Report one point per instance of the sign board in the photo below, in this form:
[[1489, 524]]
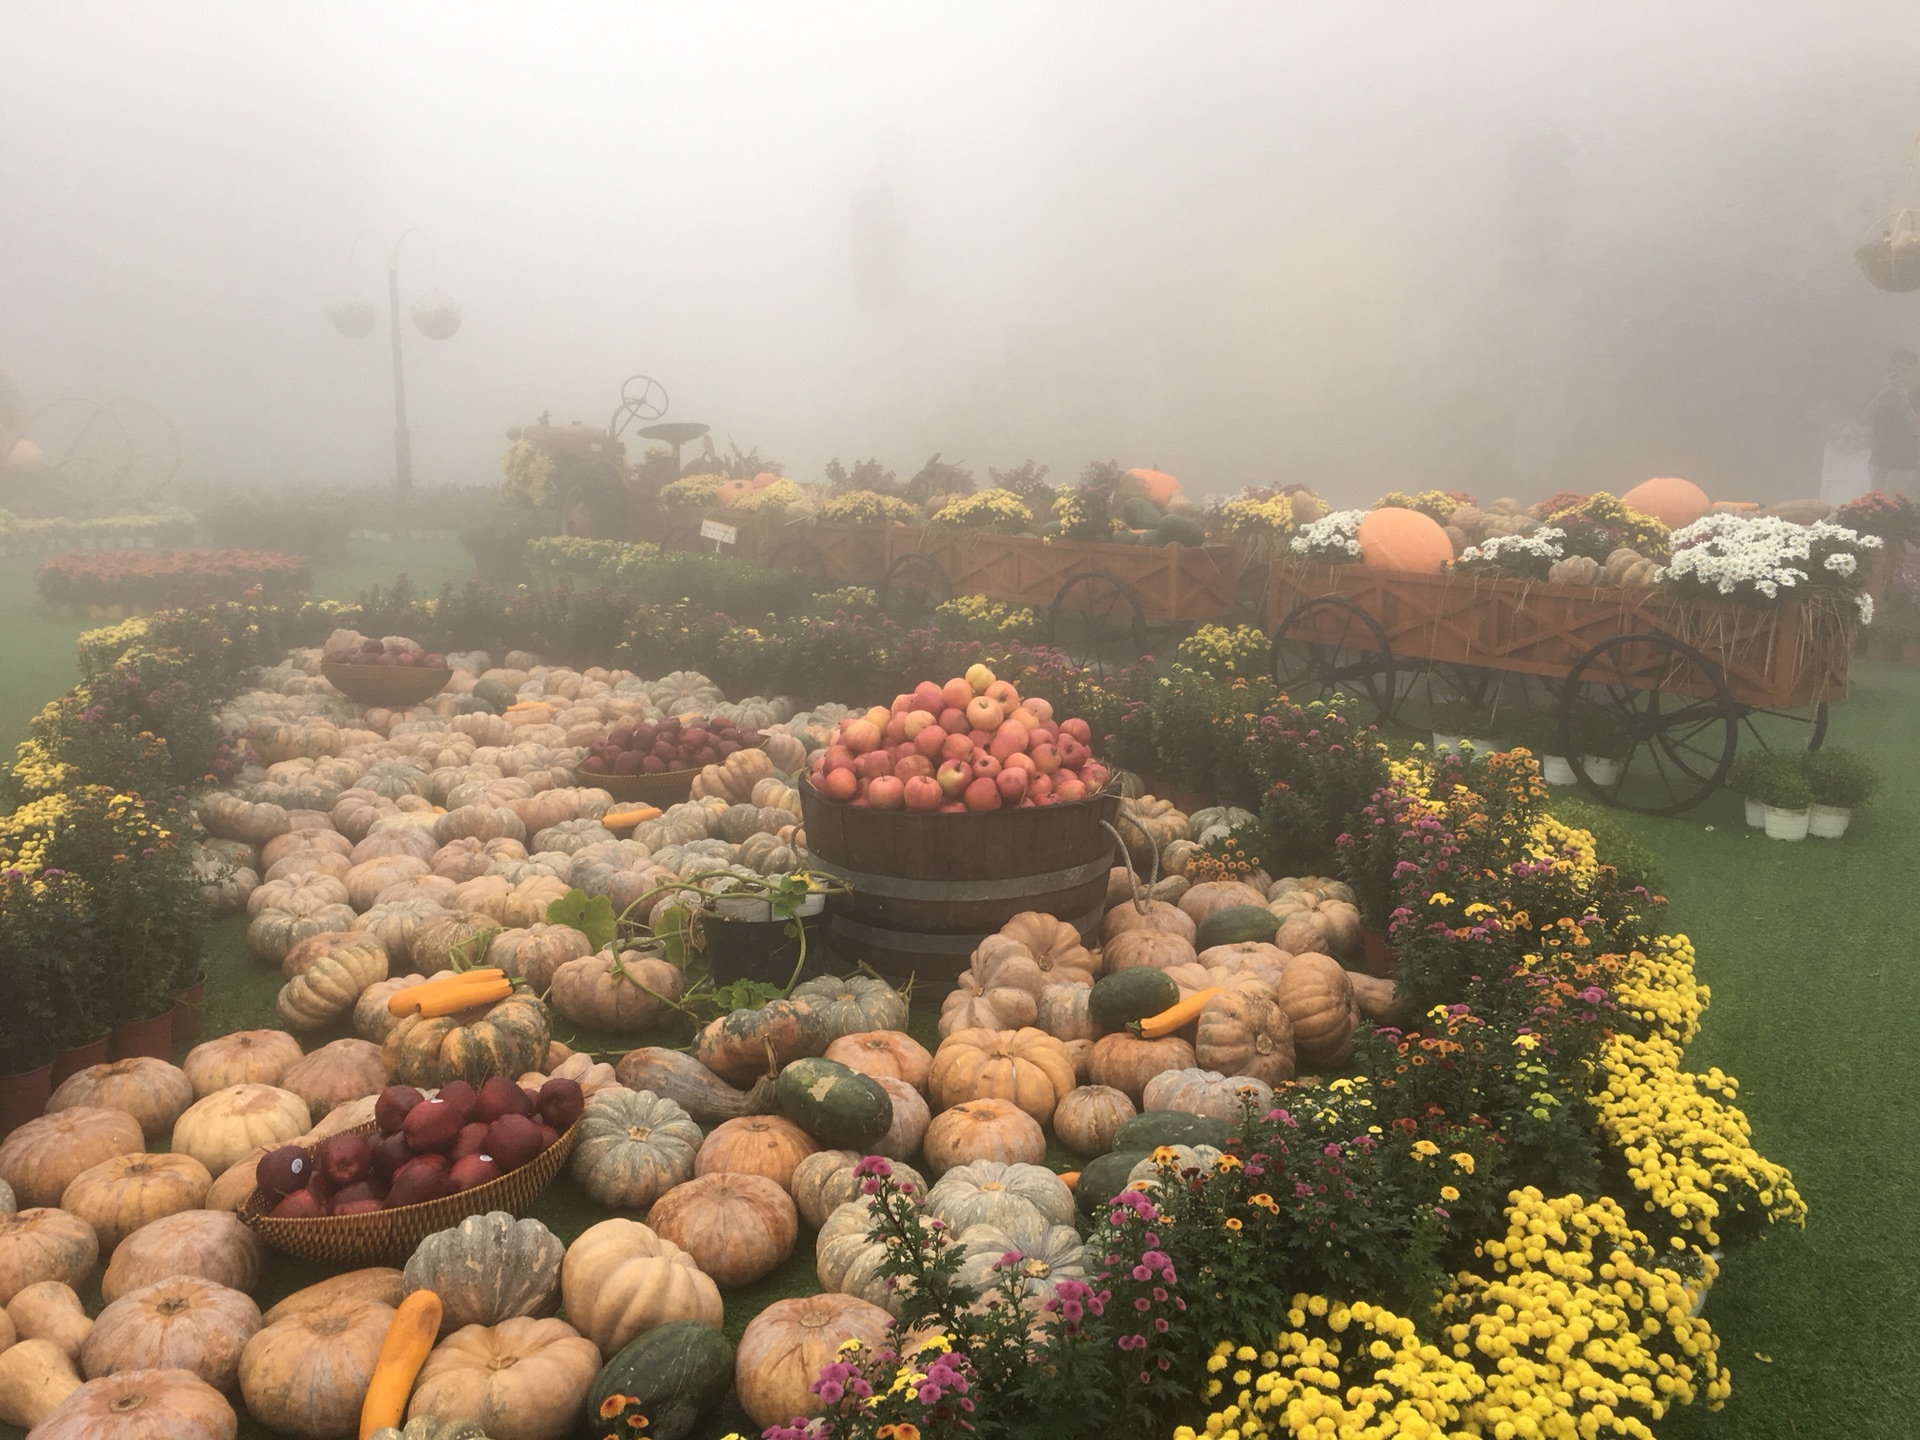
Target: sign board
[[720, 534]]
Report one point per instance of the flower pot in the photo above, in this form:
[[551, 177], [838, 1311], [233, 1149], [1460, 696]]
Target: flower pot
[[1381, 959], [761, 949], [1828, 822], [189, 1012], [24, 1096], [1786, 824], [1555, 770], [1719, 1258], [131, 1039], [1445, 744], [1756, 814], [75, 1058], [1602, 769]]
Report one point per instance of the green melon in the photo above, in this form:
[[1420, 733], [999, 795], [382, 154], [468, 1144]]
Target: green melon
[[1235, 925], [1149, 1130], [1141, 513], [1128, 995], [497, 695], [1104, 1178], [835, 1104], [1178, 530], [674, 1375]]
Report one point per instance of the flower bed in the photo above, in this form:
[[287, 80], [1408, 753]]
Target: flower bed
[[106, 583]]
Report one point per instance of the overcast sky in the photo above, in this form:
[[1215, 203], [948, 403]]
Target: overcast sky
[[1505, 247]]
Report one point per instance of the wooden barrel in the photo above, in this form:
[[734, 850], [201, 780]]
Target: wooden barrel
[[927, 889]]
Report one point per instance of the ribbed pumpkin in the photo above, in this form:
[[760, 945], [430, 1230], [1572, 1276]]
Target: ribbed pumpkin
[[620, 1279], [272, 933], [326, 974], [1244, 1032], [755, 1145], [1206, 1092], [1204, 899], [884, 1054], [989, 1192], [1063, 1012], [337, 1072], [184, 1323], [625, 995], [848, 1261], [1158, 915], [633, 1147], [983, 1130], [44, 1244], [366, 880], [911, 1116], [481, 822], [432, 1427], [537, 951], [1086, 1119], [141, 1405], [377, 1282], [743, 1045], [1155, 949], [227, 1124], [1048, 1254], [1318, 998], [227, 815], [1026, 1066], [1127, 1062], [853, 1006], [825, 1181], [208, 1244], [40, 1159], [509, 1039], [372, 1020], [246, 1057], [738, 1228], [155, 1093], [487, 1269], [522, 1379], [1000, 988], [307, 1373], [470, 858], [785, 1346], [436, 941], [1330, 927], [118, 1196]]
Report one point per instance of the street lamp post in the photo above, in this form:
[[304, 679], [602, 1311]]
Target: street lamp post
[[402, 442]]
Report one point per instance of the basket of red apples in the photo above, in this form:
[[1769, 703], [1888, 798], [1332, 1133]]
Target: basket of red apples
[[655, 760], [368, 1196], [393, 672], [972, 745]]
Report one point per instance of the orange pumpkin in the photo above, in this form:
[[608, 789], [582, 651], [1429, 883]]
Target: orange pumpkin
[[1147, 949], [1127, 1062], [737, 1228], [983, 1130], [1404, 540], [1159, 916], [730, 493], [755, 1145], [118, 1196], [155, 1093], [42, 1157], [1027, 1066], [1318, 997], [884, 1054], [784, 1347], [1673, 502], [1158, 486]]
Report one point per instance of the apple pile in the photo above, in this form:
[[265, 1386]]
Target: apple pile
[[654, 747], [971, 744], [349, 647], [427, 1148]]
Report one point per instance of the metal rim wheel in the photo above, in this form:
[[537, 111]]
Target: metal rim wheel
[[1665, 707], [1098, 622], [1329, 646], [913, 587], [803, 559], [1786, 729]]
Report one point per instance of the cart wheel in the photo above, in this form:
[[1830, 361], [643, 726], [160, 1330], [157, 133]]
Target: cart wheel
[[802, 558], [1098, 622], [686, 540], [911, 589], [1329, 646], [1669, 709], [1250, 594], [1787, 730]]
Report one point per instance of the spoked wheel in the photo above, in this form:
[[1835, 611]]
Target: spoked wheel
[[1786, 730], [1329, 646], [802, 558], [913, 587], [1664, 709], [1098, 622], [1250, 594]]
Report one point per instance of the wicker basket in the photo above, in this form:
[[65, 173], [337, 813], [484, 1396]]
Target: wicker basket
[[669, 787], [388, 1237], [393, 686]]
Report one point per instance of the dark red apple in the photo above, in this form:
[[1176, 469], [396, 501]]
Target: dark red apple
[[513, 1140], [471, 1140], [560, 1102], [422, 1178], [283, 1171], [433, 1125], [390, 1110], [473, 1170], [343, 1159], [500, 1096], [390, 1152], [298, 1205], [364, 1190]]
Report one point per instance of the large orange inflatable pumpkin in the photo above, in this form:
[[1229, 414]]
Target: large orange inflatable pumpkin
[[1158, 486], [1672, 502], [732, 492], [763, 479], [1394, 539]]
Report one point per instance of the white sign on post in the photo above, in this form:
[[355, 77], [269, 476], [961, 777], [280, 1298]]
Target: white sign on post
[[720, 534]]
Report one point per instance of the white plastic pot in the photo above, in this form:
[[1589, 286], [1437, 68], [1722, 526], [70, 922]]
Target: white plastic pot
[[1445, 744], [1828, 822], [1555, 770], [755, 907], [1756, 814], [1786, 824], [1602, 770], [1706, 1286]]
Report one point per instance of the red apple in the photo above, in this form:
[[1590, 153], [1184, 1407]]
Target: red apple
[[986, 766], [840, 785], [473, 1170], [953, 807], [1009, 739], [931, 740], [953, 777], [1093, 775], [1072, 753], [1020, 760], [884, 792], [918, 722], [953, 720], [874, 763], [1003, 692], [560, 1102], [1067, 786], [1078, 729], [982, 794], [1042, 708], [471, 1140], [927, 696], [957, 692], [1046, 759], [501, 1096], [358, 1207], [1039, 787], [956, 747], [861, 736], [896, 730], [299, 1205], [984, 713], [390, 1110], [1012, 785], [344, 1158], [923, 793], [912, 765], [513, 1140], [836, 757], [283, 1171]]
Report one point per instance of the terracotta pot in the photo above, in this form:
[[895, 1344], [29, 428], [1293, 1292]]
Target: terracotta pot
[[24, 1096], [189, 1014], [76, 1058], [1381, 959], [131, 1038]]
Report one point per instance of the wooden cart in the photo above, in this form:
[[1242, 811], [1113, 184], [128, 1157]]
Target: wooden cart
[[1650, 691]]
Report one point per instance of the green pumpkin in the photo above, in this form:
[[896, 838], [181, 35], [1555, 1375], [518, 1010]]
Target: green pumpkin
[[674, 1374], [426, 1427], [1236, 924], [851, 1006], [473, 705], [496, 695], [1105, 1177], [1141, 513], [1177, 530], [837, 1105], [1128, 995], [1151, 1129]]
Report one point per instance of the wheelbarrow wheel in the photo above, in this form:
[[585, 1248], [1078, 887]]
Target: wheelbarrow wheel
[[1648, 724], [1329, 646]]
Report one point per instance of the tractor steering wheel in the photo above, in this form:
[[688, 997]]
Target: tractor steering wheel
[[642, 398]]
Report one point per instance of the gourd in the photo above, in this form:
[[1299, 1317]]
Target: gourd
[[733, 780], [337, 1072], [1143, 949], [783, 1348], [1000, 988], [1378, 1000], [910, 1120], [487, 1269], [1209, 897], [1236, 924], [689, 1084], [848, 1261], [1630, 569], [1206, 1092], [523, 1379], [40, 1159], [35, 1376], [480, 822], [1575, 570], [1026, 1066], [738, 1228], [624, 994], [673, 1375], [509, 1039], [307, 1373], [272, 933], [50, 1311], [620, 1280], [1158, 915], [143, 1404], [835, 1105], [537, 951], [1127, 1062], [228, 816], [884, 1054], [118, 1196], [1149, 823], [1243, 1032], [1089, 1117], [1048, 1255], [1127, 995], [571, 836], [632, 1148], [208, 1244], [988, 1192], [851, 1006], [983, 1130], [227, 1124], [185, 1323], [155, 1093], [1318, 998], [246, 1057], [755, 1145], [825, 1181]]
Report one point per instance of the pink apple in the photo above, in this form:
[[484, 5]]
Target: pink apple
[[861, 736], [1073, 754], [911, 765], [1012, 785], [931, 741], [902, 704], [982, 794], [953, 777], [927, 696], [1009, 739], [981, 739], [1093, 775], [896, 727], [1077, 728], [1039, 786], [884, 792], [1026, 719], [902, 750], [986, 765], [1042, 709], [1020, 760], [1046, 759], [923, 793], [1003, 692], [1068, 787], [956, 747], [841, 785], [874, 762], [917, 722], [838, 757], [953, 721], [985, 713], [957, 693]]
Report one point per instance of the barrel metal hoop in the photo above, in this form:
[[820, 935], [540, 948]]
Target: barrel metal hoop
[[892, 887]]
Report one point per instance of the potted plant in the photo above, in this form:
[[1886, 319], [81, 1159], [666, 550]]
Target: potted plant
[[1841, 782], [1457, 721], [1602, 742], [1744, 778], [1538, 731], [1781, 786], [758, 927]]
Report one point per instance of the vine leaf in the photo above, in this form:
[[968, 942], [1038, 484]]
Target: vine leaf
[[591, 915]]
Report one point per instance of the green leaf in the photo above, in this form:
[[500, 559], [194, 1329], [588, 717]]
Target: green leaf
[[591, 915]]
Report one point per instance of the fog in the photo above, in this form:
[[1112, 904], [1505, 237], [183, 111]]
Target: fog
[[1511, 248]]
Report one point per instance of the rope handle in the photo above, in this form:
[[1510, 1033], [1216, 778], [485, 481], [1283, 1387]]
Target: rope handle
[[1141, 897]]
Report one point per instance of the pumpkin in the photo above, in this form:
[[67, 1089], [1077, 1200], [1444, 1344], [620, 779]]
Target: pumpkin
[[432, 1427], [1318, 998], [632, 1148], [366, 880], [1086, 1119], [509, 1039], [328, 973], [769, 854], [155, 1093], [628, 993], [44, 1244], [738, 1228], [301, 894], [620, 1280], [480, 822], [168, 1403], [470, 858], [1575, 570], [228, 816], [527, 903], [910, 1120], [309, 863], [347, 1115], [1027, 1066], [983, 1130], [208, 1244], [1064, 1012], [272, 933], [1000, 988], [1127, 1062], [523, 1379], [988, 1192], [1630, 569], [672, 1376], [1205, 899], [1148, 825], [592, 1076], [784, 1347], [35, 1376], [848, 1261], [883, 1053], [1158, 915], [537, 951], [246, 1057], [1148, 1173], [742, 1046], [337, 1072], [1328, 927], [570, 836], [307, 1373], [1142, 948], [379, 1282], [50, 1311], [755, 1145], [825, 1181], [1405, 541], [396, 923], [372, 1020], [734, 778], [851, 1006], [1245, 1032], [1048, 1254], [225, 1125], [397, 834], [1206, 1092], [184, 1323], [1379, 1000], [1054, 944], [118, 1196], [1673, 502], [438, 940], [487, 1269], [40, 1159]]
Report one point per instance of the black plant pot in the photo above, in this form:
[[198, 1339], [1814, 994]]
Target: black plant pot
[[761, 949]]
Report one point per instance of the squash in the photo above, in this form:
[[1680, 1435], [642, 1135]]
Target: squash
[[308, 1372], [205, 1244], [983, 1130], [1408, 541], [1147, 950], [1243, 1032], [1207, 1092], [227, 1124], [185, 1323], [1330, 927], [50, 1311], [246, 1057], [480, 822], [1379, 1000], [523, 1379], [396, 923], [755, 1145], [232, 818], [632, 1148], [1158, 915], [837, 1106], [379, 1282], [910, 1120], [988, 1192], [508, 1039], [1048, 1254], [620, 1280], [1000, 988], [1123, 996], [627, 994], [1236, 924], [592, 1076], [537, 951], [1318, 997], [892, 1054], [1088, 1118], [487, 1269], [155, 1093], [439, 939], [1104, 1177], [674, 1375], [847, 1260], [1209, 898], [337, 1072], [825, 1181], [35, 1377], [733, 779], [369, 878], [272, 933], [785, 1346], [738, 1228], [1027, 1066], [852, 1006], [1127, 1062], [689, 1084], [744, 1045], [409, 1338], [141, 1404], [1575, 570], [40, 1159], [1149, 824], [118, 1196], [431, 1427], [1151, 1129]]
